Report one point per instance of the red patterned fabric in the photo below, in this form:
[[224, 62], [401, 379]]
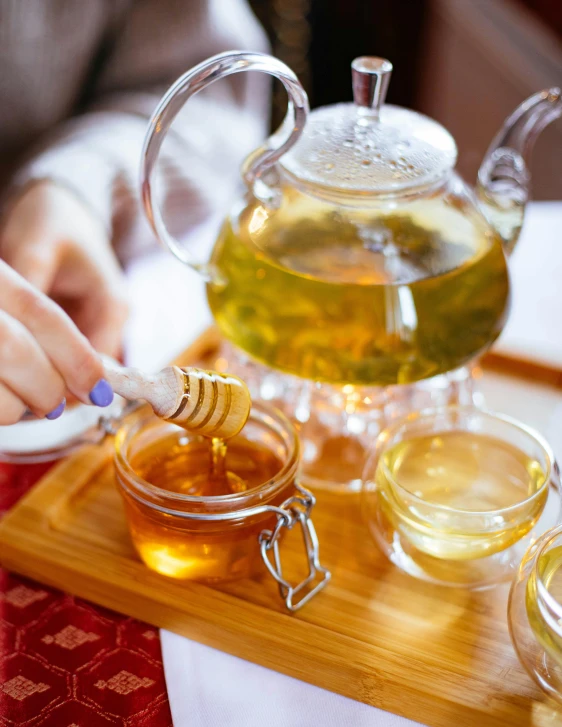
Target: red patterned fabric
[[67, 663]]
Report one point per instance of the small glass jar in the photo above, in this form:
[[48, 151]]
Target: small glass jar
[[535, 612], [458, 527], [224, 537]]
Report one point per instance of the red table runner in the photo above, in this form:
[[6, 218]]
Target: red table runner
[[67, 663]]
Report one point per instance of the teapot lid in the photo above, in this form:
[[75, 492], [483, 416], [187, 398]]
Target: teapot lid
[[368, 148]]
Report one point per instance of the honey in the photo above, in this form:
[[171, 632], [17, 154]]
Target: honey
[[196, 507], [206, 468], [359, 296]]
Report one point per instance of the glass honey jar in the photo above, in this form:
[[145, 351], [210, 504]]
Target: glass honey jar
[[535, 612], [455, 495], [191, 518]]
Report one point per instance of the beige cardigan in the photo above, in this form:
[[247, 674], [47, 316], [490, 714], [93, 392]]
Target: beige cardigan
[[79, 80]]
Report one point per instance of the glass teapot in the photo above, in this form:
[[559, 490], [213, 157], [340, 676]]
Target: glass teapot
[[358, 255], [357, 262]]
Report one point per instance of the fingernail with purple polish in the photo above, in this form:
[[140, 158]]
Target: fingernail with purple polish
[[101, 394], [55, 414]]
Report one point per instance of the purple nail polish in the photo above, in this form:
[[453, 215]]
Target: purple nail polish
[[101, 394], [55, 414]]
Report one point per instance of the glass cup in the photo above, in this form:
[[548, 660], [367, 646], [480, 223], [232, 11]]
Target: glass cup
[[455, 527], [223, 537], [535, 612]]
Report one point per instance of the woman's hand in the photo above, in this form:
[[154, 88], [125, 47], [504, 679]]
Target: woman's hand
[[51, 238], [42, 354]]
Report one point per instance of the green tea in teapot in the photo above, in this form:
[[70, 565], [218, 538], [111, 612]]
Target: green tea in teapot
[[359, 296]]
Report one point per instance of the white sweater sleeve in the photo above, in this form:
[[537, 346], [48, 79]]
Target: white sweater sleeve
[[97, 154]]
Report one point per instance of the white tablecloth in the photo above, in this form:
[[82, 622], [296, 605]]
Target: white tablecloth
[[210, 689]]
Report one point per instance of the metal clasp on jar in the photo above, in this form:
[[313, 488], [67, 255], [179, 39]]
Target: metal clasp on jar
[[295, 510]]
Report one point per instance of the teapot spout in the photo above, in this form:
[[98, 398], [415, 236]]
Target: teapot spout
[[503, 186]]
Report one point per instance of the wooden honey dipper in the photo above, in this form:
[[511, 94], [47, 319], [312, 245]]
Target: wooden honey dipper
[[203, 402]]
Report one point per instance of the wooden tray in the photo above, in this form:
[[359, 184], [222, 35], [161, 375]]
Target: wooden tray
[[439, 656]]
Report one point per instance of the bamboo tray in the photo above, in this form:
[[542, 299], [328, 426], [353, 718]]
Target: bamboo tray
[[439, 656]]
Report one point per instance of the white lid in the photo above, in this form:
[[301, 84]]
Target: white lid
[[43, 440], [366, 148]]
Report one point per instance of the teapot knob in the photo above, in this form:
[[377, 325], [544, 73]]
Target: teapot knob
[[370, 76]]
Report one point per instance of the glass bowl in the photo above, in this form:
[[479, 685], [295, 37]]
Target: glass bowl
[[455, 495], [535, 612]]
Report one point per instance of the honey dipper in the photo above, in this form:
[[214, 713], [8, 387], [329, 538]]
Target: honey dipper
[[203, 402]]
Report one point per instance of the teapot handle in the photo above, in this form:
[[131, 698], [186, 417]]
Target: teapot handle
[[193, 81]]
